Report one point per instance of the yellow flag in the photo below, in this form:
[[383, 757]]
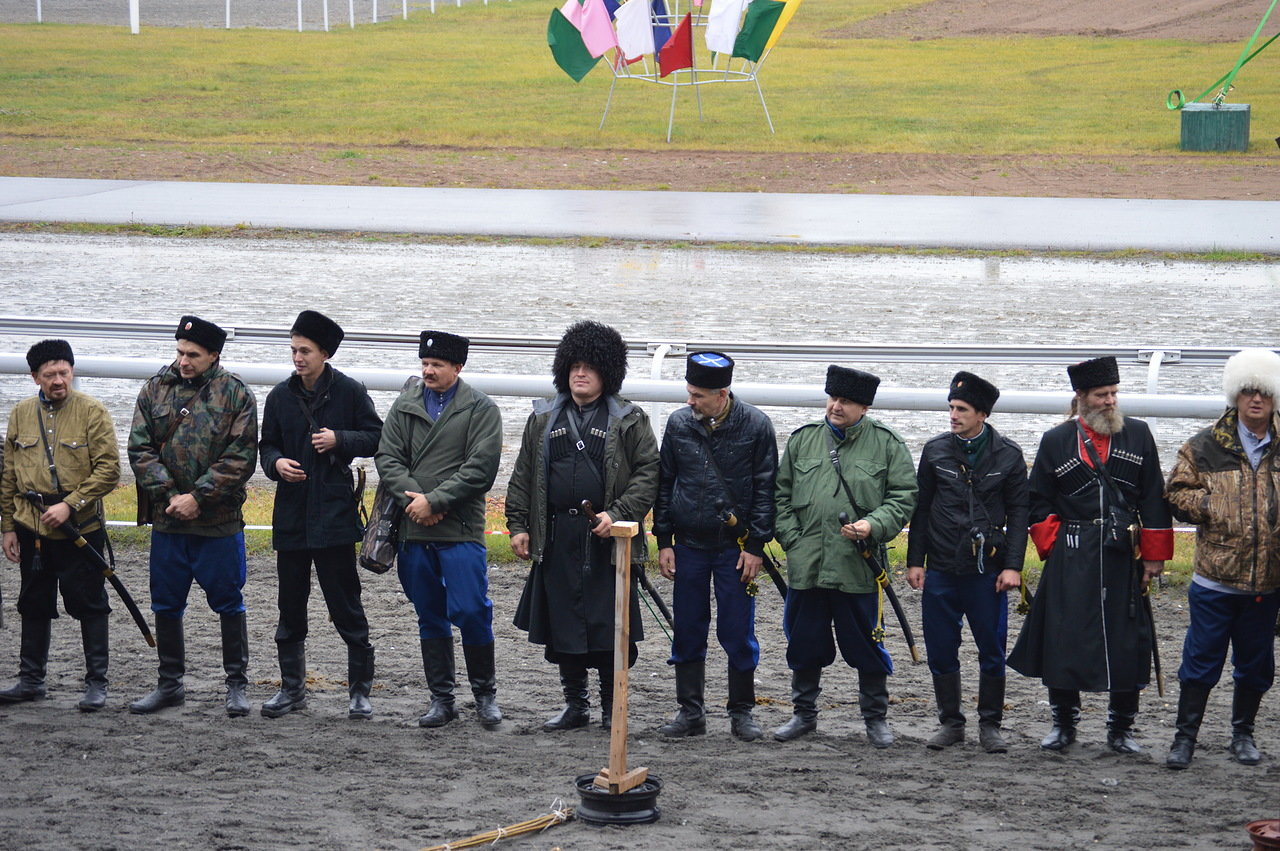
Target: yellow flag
[[783, 20]]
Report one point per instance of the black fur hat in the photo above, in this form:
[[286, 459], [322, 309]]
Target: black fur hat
[[319, 329], [46, 350], [852, 384], [443, 346], [978, 392], [1099, 372], [201, 332], [708, 370], [592, 343]]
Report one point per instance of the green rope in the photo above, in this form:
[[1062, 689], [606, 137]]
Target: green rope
[[1176, 101], [648, 604]]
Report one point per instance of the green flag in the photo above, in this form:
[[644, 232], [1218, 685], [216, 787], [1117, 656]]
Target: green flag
[[758, 25], [567, 47]]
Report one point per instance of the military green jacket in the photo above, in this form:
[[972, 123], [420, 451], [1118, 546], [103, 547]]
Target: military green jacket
[[84, 452], [211, 455], [876, 464]]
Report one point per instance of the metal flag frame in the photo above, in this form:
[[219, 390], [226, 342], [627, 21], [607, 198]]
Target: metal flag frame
[[694, 76]]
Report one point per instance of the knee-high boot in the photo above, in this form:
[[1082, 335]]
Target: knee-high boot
[[576, 712], [873, 699], [1122, 709], [806, 685], [95, 632], [946, 691], [171, 648], [691, 717], [293, 681], [359, 682], [438, 664], [742, 701], [1244, 709], [1192, 699], [33, 658], [991, 713], [1065, 706], [235, 662], [483, 677]]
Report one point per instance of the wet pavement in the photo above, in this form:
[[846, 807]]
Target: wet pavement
[[269, 14]]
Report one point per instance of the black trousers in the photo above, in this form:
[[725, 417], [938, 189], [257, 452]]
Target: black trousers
[[62, 567], [340, 584]]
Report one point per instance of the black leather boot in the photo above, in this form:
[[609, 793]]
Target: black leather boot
[[293, 681], [946, 691], [235, 662], [691, 717], [806, 685], [1192, 699], [991, 713], [742, 701], [1122, 709], [95, 634], [482, 675], [438, 664], [1065, 706], [1244, 709], [359, 682], [873, 700], [576, 712], [33, 657], [606, 697], [171, 648]]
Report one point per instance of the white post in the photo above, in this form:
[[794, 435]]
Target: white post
[[299, 15], [228, 14], [375, 11], [433, 7], [39, 13], [405, 8], [133, 16], [326, 15], [351, 12]]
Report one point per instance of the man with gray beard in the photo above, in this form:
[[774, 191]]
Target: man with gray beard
[[1099, 519]]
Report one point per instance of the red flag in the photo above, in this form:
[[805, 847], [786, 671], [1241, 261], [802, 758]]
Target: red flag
[[677, 53]]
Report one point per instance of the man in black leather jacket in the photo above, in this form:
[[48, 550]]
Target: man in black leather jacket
[[970, 530], [713, 517]]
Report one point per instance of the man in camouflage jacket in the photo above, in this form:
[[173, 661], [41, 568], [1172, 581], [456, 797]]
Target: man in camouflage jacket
[[193, 446]]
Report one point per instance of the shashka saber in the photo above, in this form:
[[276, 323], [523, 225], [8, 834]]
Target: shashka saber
[[882, 579], [77, 538], [590, 511]]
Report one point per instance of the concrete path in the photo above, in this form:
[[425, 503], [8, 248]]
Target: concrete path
[[1084, 224]]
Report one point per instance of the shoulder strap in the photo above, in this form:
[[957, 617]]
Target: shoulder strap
[[183, 413], [1100, 469], [834, 454], [715, 468], [580, 445], [48, 450]]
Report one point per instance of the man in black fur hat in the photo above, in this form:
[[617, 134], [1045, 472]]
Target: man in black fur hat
[[1104, 529], [60, 444], [586, 443], [970, 531], [313, 425], [439, 454]]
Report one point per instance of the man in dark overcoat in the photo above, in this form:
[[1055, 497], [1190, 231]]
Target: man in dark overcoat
[[1104, 529]]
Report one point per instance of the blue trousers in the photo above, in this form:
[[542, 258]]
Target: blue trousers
[[808, 620], [448, 584], [696, 571], [947, 600], [216, 564], [1245, 621]]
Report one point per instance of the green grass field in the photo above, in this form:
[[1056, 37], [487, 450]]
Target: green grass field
[[483, 77]]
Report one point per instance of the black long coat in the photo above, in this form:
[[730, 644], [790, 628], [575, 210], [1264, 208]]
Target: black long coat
[[1087, 628], [321, 511]]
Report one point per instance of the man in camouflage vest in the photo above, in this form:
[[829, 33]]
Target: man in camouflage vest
[[193, 446]]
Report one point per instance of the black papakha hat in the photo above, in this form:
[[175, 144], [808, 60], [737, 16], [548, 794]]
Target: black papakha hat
[[592, 343], [46, 350], [1099, 372], [978, 392], [319, 329], [852, 384], [201, 332], [708, 370], [444, 346]]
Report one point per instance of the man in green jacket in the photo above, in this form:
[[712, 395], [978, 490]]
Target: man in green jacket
[[846, 463], [60, 444], [439, 454], [193, 446]]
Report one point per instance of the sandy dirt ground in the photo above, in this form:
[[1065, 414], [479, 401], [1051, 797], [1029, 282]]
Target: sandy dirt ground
[[192, 778]]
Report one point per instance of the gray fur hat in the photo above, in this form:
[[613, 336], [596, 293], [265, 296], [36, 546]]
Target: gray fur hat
[[596, 344], [1251, 369]]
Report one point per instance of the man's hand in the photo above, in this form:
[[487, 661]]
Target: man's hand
[[56, 514], [856, 531], [520, 544], [183, 507], [603, 524], [667, 562], [323, 440], [1008, 580], [11, 546], [749, 565], [419, 509], [915, 577], [289, 470], [1150, 570]]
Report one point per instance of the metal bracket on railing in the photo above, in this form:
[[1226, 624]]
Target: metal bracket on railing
[[660, 352], [1154, 358]]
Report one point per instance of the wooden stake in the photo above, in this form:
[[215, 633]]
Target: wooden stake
[[616, 778]]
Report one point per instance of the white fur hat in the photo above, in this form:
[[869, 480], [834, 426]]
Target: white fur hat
[[1251, 369]]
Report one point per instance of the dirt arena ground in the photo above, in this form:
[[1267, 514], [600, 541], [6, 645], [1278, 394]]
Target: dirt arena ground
[[192, 778]]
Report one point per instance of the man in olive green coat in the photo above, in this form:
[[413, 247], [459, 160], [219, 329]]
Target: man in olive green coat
[[846, 463], [439, 454]]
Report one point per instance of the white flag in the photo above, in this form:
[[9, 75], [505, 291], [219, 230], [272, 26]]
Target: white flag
[[635, 29], [723, 24]]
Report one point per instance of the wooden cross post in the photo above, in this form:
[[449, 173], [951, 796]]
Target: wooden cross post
[[616, 778]]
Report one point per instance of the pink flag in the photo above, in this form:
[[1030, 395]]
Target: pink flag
[[593, 21]]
